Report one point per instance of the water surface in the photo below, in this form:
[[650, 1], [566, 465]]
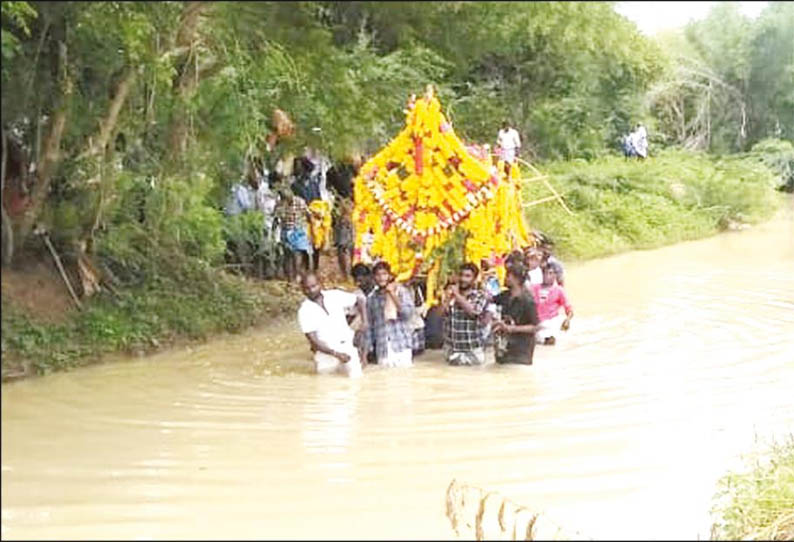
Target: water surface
[[678, 359]]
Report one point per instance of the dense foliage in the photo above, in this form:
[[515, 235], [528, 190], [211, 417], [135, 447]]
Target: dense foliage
[[109, 98], [125, 123]]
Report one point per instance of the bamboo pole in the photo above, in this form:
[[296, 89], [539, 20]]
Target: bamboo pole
[[539, 201], [559, 198], [534, 179], [46, 237], [544, 178]]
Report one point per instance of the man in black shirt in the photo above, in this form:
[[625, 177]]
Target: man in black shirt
[[516, 328]]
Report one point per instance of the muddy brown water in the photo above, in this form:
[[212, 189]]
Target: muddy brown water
[[679, 361]]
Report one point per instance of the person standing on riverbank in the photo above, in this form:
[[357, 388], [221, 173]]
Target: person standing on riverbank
[[515, 329], [464, 307], [390, 310], [292, 217], [321, 317], [550, 298], [640, 142], [509, 142], [344, 236]]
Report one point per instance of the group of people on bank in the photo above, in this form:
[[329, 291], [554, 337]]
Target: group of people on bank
[[480, 322], [302, 204]]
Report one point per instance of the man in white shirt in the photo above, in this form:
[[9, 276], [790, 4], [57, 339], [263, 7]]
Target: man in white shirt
[[241, 199], [535, 273], [321, 317], [509, 141]]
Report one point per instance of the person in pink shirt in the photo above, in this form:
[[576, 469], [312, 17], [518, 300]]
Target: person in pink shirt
[[550, 298]]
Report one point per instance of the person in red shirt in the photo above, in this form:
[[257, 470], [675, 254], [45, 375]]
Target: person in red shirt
[[550, 298]]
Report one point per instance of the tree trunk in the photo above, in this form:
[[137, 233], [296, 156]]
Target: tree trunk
[[187, 78], [108, 124], [8, 230], [48, 162]]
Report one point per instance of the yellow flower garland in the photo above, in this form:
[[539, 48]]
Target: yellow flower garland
[[423, 184], [320, 211]]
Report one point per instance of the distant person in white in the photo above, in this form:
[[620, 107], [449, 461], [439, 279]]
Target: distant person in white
[[509, 141], [639, 140], [535, 272], [321, 317]]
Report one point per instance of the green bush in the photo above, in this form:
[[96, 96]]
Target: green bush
[[188, 300], [758, 504], [778, 155]]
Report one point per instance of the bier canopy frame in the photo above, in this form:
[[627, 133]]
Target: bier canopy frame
[[424, 185]]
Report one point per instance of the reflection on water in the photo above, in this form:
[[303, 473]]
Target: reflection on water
[[677, 358]]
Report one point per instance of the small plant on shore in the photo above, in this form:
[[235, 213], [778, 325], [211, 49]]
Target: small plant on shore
[[758, 504]]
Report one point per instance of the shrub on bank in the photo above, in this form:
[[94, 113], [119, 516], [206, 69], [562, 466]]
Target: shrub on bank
[[621, 204], [758, 504], [190, 301], [778, 155]]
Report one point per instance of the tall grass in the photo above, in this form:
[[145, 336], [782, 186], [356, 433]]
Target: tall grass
[[624, 204], [758, 504]]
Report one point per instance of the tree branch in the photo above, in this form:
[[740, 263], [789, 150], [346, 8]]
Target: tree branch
[[108, 124]]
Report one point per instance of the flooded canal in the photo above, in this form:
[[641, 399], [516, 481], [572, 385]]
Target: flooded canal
[[679, 360]]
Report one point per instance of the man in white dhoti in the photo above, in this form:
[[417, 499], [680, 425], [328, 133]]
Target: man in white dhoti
[[321, 317], [509, 142]]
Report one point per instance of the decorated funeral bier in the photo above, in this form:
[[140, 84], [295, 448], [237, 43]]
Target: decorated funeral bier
[[416, 195]]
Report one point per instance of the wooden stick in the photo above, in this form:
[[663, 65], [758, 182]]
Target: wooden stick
[[541, 177], [539, 201], [534, 179], [559, 198], [530, 166], [46, 237]]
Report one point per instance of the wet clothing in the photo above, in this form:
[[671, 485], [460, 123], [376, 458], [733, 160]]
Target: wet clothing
[[535, 276], [469, 357], [520, 311], [463, 331], [434, 328], [549, 300], [331, 327], [391, 339], [550, 328]]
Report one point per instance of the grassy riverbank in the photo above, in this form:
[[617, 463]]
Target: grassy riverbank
[[190, 304], [758, 504], [619, 205], [622, 205]]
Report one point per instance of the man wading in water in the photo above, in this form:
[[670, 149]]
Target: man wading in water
[[550, 298], [321, 317], [390, 309], [464, 308], [515, 330]]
